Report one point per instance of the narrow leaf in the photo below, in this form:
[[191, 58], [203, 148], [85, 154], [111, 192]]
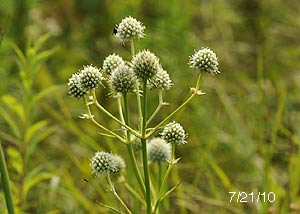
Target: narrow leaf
[[11, 122]]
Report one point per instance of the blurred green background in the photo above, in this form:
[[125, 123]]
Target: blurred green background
[[243, 134]]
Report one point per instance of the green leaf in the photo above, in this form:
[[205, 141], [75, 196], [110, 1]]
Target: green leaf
[[36, 139], [40, 42], [39, 59], [34, 129], [294, 167], [11, 122], [31, 181], [19, 53], [15, 159], [47, 91], [220, 173], [14, 105]]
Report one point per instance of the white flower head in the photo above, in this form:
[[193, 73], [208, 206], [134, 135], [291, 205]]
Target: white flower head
[[130, 28]]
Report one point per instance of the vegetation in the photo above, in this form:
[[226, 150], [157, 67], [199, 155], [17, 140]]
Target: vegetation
[[243, 133]]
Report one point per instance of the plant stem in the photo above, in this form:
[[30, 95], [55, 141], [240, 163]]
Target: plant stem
[[160, 104], [91, 117], [132, 48], [95, 101], [144, 149], [137, 88], [159, 174], [163, 183], [171, 164], [177, 109], [5, 182], [130, 189], [130, 149], [117, 196]]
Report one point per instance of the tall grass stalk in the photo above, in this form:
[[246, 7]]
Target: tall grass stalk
[[6, 182]]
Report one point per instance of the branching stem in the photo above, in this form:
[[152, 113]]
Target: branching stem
[[177, 109]]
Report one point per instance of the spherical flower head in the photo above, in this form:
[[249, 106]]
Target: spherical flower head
[[111, 63], [90, 77], [174, 133], [205, 60], [122, 79], [74, 88], [161, 80], [106, 163], [145, 65], [158, 150], [129, 28]]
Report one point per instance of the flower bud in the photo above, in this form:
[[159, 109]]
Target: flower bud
[[145, 65], [174, 133], [106, 163], [205, 60], [158, 150], [111, 63], [129, 28], [122, 79]]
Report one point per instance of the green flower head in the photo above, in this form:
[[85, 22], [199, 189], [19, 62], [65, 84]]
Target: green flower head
[[90, 78], [161, 80], [129, 28], [106, 163], [205, 60], [122, 79], [174, 133], [145, 65], [111, 63], [74, 88], [158, 150]]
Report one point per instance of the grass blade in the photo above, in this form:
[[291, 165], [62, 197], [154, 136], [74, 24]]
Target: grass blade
[[5, 183]]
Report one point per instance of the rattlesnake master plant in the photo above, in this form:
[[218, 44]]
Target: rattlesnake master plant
[[138, 75]]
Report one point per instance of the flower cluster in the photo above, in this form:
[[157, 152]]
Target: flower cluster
[[205, 60], [106, 163], [129, 28], [174, 133], [85, 80], [125, 77], [158, 150]]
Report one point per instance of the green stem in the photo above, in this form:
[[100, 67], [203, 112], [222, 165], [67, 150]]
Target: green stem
[[137, 88], [133, 192], [159, 174], [130, 149], [5, 182], [120, 109], [160, 104], [91, 117], [132, 48], [163, 183], [144, 149], [95, 101], [117, 196], [177, 109]]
